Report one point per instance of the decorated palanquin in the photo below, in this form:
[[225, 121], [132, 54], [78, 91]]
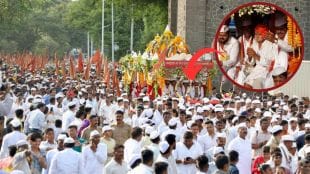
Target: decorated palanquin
[[162, 60], [295, 41]]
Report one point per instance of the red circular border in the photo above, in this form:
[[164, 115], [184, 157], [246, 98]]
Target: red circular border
[[277, 8]]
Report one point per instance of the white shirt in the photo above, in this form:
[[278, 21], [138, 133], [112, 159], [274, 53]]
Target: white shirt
[[20, 162], [67, 161], [37, 120], [93, 162], [162, 127], [206, 142], [67, 119], [9, 140], [45, 144], [132, 147], [114, 167], [155, 148], [231, 48], [142, 169], [181, 152], [171, 167], [244, 148], [49, 156]]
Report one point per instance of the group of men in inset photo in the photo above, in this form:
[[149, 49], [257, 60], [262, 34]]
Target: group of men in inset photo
[[260, 56]]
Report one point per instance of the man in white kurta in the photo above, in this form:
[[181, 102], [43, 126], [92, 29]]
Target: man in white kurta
[[263, 51], [12, 138], [68, 117], [229, 48], [95, 154], [133, 145], [186, 153], [67, 161], [117, 165], [243, 146]]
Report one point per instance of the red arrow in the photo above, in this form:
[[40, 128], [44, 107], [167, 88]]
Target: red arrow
[[192, 68]]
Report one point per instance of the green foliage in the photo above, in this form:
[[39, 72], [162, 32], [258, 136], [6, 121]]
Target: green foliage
[[150, 18], [60, 25]]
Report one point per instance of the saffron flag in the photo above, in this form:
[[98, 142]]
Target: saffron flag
[[80, 68]]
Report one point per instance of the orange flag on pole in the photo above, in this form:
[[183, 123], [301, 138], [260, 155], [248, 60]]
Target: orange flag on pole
[[96, 58], [63, 68], [80, 68], [72, 70], [98, 66], [87, 71], [56, 65]]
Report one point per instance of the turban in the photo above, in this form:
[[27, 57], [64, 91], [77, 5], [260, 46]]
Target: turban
[[261, 29]]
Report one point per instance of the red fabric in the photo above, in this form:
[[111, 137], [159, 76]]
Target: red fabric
[[96, 58], [261, 29], [87, 71], [72, 70], [257, 162], [80, 63]]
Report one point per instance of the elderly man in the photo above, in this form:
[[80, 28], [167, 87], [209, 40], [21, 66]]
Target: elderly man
[[95, 154], [262, 51], [285, 147], [243, 146]]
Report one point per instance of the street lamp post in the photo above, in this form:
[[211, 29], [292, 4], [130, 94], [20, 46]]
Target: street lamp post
[[112, 32], [102, 28]]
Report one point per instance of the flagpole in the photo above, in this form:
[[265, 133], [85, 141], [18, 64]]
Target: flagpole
[[91, 47], [102, 28], [112, 15], [131, 29], [88, 45]]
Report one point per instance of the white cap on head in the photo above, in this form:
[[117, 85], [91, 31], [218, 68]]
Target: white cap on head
[[255, 102], [159, 102], [94, 133], [146, 99], [199, 110], [217, 150], [258, 110], [133, 159], [205, 100], [15, 122], [172, 122], [106, 128], [68, 140], [221, 135], [285, 107], [148, 112], [267, 114], [248, 100], [224, 29], [21, 143], [293, 119], [205, 108], [71, 104], [154, 135], [189, 113], [276, 128], [197, 117], [307, 125], [163, 146], [242, 125], [149, 129], [287, 138], [61, 137], [278, 71], [218, 109], [59, 95], [119, 98], [182, 107]]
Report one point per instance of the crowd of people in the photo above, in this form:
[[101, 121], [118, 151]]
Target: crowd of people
[[50, 126], [261, 57]]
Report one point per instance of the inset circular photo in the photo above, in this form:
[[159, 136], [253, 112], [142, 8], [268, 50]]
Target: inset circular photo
[[261, 46]]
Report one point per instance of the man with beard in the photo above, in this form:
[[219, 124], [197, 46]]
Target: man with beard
[[262, 51], [229, 48]]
